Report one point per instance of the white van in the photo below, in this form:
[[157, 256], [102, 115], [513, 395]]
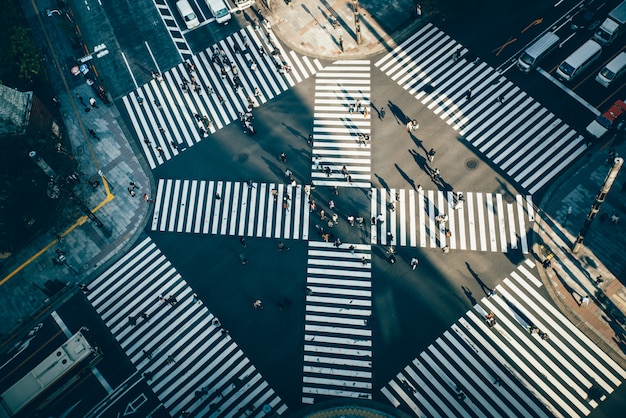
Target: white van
[[187, 13], [613, 70], [220, 10], [537, 51], [580, 59]]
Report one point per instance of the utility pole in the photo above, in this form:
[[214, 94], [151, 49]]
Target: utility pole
[[595, 208], [357, 24]]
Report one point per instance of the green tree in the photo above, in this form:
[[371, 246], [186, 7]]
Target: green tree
[[25, 55]]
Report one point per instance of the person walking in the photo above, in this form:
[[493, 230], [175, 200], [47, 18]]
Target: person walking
[[431, 155], [283, 157], [468, 94], [282, 246], [242, 241], [414, 263], [381, 113], [92, 102], [258, 304]]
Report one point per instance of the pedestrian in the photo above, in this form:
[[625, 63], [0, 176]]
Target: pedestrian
[[331, 204], [418, 10], [145, 315], [313, 205], [344, 171], [492, 292], [380, 218], [335, 218], [363, 260], [242, 241], [431, 155], [349, 178], [389, 236], [131, 191], [614, 218], [414, 263], [584, 301], [381, 113], [282, 246], [132, 320], [217, 196], [360, 220], [351, 220], [170, 359], [337, 243], [283, 157], [468, 94], [194, 298], [456, 54], [288, 173], [310, 141], [243, 258], [436, 174], [148, 354], [80, 99], [420, 189], [258, 304], [326, 237], [92, 102], [322, 214], [351, 248], [412, 126], [501, 98]]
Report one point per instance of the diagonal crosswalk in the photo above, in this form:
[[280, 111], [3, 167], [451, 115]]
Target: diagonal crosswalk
[[532, 362], [338, 338], [190, 362], [505, 124], [471, 221], [341, 115], [171, 113], [231, 208]]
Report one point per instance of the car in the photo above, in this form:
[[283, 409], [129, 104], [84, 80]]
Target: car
[[585, 19], [601, 125]]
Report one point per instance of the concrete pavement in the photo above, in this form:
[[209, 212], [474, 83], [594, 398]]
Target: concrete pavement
[[87, 247]]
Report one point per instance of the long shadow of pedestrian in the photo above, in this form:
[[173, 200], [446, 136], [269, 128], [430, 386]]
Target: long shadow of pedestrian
[[418, 142], [573, 292], [382, 182], [420, 161], [405, 176], [468, 294], [476, 277], [400, 116], [294, 132]]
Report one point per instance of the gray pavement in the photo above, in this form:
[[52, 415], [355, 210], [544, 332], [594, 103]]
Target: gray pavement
[[87, 247]]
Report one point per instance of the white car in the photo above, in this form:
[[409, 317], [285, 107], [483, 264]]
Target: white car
[[187, 13]]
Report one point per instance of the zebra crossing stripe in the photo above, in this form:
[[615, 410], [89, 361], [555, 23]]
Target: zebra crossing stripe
[[182, 47], [338, 340], [204, 357], [225, 208], [517, 134], [162, 114], [477, 223], [472, 367]]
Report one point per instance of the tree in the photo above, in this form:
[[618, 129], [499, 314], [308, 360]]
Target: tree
[[25, 55]]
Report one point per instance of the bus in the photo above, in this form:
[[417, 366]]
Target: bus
[[71, 354]]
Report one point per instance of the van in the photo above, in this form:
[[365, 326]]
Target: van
[[220, 10], [537, 51], [187, 13], [613, 70], [578, 62]]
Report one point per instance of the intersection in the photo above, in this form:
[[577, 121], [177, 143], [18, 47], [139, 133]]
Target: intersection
[[336, 303]]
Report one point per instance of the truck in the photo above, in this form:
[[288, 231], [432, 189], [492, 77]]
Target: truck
[[612, 25], [601, 125]]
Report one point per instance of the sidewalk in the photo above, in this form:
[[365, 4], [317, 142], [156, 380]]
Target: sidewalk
[[306, 26], [86, 246], [563, 211]]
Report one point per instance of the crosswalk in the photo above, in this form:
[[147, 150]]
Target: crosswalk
[[502, 122], [231, 208], [168, 118], [341, 114], [473, 221], [338, 337], [167, 16], [532, 362], [190, 362]]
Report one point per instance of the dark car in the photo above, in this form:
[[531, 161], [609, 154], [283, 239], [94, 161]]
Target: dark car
[[585, 19]]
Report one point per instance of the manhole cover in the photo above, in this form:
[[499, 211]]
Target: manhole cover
[[243, 157], [471, 164]]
